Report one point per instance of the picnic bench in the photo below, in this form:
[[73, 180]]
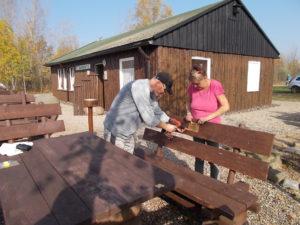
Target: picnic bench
[[13, 99], [29, 120], [229, 201], [78, 179]]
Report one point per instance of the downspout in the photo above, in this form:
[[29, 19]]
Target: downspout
[[143, 53]]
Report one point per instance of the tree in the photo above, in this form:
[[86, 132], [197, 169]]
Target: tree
[[8, 9], [9, 56], [289, 63], [292, 62], [38, 50], [149, 11]]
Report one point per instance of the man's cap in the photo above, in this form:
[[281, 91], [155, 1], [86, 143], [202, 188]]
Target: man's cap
[[166, 79]]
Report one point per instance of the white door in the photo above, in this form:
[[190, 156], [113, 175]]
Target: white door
[[126, 71]]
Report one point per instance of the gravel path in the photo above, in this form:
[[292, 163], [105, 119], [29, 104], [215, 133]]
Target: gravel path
[[277, 207]]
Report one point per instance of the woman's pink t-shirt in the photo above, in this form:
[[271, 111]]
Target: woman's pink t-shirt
[[205, 102]]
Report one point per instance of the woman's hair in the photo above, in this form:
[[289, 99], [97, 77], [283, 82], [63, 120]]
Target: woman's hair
[[197, 73]]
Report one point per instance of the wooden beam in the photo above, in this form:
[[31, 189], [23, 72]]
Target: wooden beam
[[29, 110], [236, 137], [233, 161], [29, 130], [204, 190], [15, 99]]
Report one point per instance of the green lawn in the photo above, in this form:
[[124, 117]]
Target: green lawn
[[283, 93]]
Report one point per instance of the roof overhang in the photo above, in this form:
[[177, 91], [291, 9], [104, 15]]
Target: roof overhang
[[126, 47]]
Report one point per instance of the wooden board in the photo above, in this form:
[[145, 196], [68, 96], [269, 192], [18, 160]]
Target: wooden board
[[236, 137], [21, 201], [233, 161], [65, 204], [29, 110], [29, 130], [106, 178], [204, 190], [15, 99]]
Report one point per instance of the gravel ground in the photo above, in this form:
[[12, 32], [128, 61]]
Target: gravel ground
[[277, 206]]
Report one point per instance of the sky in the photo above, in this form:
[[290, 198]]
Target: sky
[[90, 20]]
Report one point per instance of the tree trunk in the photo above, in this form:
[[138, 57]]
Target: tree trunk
[[24, 83]]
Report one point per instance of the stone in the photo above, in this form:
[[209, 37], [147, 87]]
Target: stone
[[276, 176], [275, 162], [291, 184]]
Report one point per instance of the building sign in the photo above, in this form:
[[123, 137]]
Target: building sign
[[83, 67]]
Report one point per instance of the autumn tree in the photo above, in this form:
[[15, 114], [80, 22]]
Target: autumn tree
[[149, 11], [9, 55]]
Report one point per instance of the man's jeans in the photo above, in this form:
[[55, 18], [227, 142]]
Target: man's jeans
[[199, 164], [126, 144]]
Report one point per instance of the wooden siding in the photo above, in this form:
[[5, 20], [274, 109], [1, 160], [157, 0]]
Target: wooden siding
[[221, 31], [60, 94], [91, 86], [231, 70]]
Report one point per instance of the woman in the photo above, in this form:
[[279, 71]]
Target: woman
[[206, 102]]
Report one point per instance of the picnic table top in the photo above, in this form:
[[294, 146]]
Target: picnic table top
[[76, 179]]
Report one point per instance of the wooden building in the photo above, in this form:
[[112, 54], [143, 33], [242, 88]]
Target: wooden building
[[223, 36]]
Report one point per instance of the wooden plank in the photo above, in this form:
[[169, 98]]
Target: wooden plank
[[29, 130], [15, 99], [65, 204], [29, 110], [236, 137], [106, 178], [233, 161], [21, 201], [227, 190], [180, 200], [204, 190]]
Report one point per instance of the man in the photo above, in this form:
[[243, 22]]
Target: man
[[137, 103]]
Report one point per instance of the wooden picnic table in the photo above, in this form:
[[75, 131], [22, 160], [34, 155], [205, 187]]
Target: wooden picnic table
[[76, 179]]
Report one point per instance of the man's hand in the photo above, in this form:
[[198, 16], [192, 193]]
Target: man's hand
[[175, 122], [170, 128]]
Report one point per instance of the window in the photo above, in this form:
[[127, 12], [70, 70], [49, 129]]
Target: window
[[253, 76], [126, 73], [206, 62], [71, 78], [62, 79], [60, 83], [65, 80]]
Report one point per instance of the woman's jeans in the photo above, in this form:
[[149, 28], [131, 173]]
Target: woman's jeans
[[199, 163]]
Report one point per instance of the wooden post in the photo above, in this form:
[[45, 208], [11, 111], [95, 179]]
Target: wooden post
[[231, 173], [90, 103], [8, 124]]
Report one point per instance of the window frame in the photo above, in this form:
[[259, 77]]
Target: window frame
[[253, 87], [121, 60], [208, 69]]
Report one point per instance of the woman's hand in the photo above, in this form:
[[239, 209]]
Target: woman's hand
[[203, 120], [189, 117]]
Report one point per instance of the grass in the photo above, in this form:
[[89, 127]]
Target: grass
[[283, 93]]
